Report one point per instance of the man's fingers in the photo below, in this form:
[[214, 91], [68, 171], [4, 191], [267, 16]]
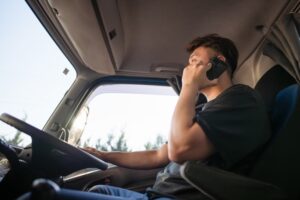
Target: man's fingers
[[89, 149]]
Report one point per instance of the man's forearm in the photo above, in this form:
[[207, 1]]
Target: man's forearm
[[132, 160], [137, 160], [183, 115]]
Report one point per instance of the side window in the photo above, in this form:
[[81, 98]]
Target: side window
[[34, 73], [124, 117]]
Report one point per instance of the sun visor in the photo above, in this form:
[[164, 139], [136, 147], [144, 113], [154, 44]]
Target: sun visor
[[83, 28], [111, 20]]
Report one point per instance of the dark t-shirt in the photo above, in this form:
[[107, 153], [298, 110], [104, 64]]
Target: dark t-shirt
[[236, 123]]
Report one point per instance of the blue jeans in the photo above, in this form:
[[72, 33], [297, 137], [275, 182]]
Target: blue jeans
[[115, 193]]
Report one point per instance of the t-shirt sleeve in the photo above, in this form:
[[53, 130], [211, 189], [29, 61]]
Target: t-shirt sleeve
[[236, 125]]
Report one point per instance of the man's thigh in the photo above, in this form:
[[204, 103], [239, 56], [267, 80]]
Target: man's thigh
[[118, 192]]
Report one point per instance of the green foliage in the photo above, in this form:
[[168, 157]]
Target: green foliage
[[100, 146], [158, 142], [86, 143], [119, 143], [112, 144], [17, 139]]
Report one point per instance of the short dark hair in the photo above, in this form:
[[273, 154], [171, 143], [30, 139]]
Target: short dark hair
[[221, 45]]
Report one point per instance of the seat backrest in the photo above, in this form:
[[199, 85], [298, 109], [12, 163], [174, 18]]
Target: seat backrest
[[279, 164]]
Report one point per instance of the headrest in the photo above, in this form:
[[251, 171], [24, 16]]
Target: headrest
[[271, 83], [284, 105]]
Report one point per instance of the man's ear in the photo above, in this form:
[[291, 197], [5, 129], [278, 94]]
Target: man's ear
[[221, 57]]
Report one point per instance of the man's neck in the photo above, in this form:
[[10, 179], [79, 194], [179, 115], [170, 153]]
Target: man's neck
[[212, 92]]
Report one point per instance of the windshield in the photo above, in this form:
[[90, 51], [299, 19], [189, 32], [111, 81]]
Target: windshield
[[34, 73]]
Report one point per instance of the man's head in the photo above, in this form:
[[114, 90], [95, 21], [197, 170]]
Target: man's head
[[221, 46]]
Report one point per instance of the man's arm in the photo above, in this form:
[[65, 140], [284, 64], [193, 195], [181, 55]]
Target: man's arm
[[187, 139], [135, 160]]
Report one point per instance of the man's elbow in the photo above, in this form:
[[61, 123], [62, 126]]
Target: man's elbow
[[187, 153], [177, 155]]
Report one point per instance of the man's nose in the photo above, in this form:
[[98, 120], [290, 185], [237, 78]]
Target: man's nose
[[193, 60]]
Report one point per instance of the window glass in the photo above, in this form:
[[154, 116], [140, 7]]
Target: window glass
[[34, 73], [125, 118]]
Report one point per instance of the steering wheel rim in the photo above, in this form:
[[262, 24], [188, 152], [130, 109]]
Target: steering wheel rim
[[10, 154], [59, 147]]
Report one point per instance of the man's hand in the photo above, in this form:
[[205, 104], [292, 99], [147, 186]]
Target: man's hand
[[94, 152], [194, 75]]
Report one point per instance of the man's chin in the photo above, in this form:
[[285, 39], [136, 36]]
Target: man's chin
[[207, 86]]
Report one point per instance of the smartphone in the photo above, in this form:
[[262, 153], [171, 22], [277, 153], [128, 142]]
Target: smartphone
[[217, 68]]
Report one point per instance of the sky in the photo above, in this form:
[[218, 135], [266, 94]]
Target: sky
[[32, 83]]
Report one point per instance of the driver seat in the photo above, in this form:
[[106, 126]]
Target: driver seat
[[275, 174]]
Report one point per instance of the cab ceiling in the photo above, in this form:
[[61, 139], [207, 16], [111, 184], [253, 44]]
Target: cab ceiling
[[149, 37]]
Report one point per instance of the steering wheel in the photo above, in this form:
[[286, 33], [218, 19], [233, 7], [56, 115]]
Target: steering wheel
[[10, 154], [51, 155]]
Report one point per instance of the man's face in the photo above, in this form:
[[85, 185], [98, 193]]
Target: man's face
[[202, 56]]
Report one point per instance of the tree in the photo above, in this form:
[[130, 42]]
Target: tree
[[111, 143], [101, 147], [120, 144], [17, 139], [158, 142], [86, 143]]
